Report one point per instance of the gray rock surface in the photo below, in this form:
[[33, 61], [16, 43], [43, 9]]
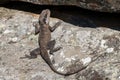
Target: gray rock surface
[[99, 5], [80, 45]]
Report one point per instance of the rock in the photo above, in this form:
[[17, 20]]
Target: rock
[[98, 5], [8, 31], [80, 46]]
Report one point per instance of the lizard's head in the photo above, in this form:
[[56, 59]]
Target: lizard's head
[[44, 17]]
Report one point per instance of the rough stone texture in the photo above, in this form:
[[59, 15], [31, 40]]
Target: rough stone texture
[[80, 46], [99, 5]]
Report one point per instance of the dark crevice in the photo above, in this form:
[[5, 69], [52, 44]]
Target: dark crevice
[[71, 14]]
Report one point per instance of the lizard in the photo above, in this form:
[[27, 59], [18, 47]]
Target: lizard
[[44, 30]]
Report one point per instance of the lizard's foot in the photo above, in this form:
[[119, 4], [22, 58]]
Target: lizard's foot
[[55, 49], [28, 56], [31, 57], [55, 26]]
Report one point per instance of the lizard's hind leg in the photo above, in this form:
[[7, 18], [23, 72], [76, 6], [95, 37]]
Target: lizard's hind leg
[[51, 49], [34, 53], [51, 45]]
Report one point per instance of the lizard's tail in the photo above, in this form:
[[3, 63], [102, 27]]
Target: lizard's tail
[[45, 56], [67, 73]]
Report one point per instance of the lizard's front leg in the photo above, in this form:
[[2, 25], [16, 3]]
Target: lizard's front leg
[[37, 27], [55, 26]]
